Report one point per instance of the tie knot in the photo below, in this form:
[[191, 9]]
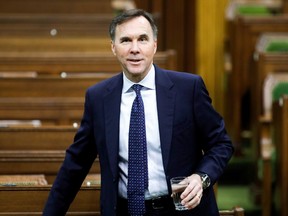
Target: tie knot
[[137, 88]]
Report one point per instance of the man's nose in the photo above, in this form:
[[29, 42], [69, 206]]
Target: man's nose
[[135, 46]]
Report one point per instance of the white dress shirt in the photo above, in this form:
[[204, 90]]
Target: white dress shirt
[[156, 177]]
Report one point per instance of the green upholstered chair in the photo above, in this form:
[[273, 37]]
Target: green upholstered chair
[[253, 10], [270, 83], [277, 46], [273, 42], [279, 89]]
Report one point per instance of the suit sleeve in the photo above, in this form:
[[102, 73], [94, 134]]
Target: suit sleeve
[[77, 163], [216, 144]]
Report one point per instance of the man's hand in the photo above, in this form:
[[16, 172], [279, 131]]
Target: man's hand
[[192, 195]]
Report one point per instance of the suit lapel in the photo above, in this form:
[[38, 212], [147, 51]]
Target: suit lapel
[[165, 105], [112, 102]]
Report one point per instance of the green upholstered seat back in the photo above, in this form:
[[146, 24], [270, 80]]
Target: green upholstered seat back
[[277, 46], [279, 90], [253, 10]]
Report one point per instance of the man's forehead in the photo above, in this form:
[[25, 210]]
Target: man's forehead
[[135, 27]]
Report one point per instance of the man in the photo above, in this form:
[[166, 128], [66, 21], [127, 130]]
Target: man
[[183, 134]]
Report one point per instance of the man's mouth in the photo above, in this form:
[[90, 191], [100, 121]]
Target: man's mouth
[[134, 60]]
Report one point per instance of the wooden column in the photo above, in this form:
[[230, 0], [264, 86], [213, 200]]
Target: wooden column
[[210, 36], [196, 30]]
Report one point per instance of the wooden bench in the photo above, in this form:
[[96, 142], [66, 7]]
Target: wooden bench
[[235, 211], [36, 150], [30, 150], [243, 34], [19, 201], [55, 7], [48, 86], [280, 139], [46, 62], [36, 138], [55, 99], [54, 44], [40, 180], [87, 202], [54, 32], [46, 162], [55, 25], [48, 111], [22, 180], [64, 97]]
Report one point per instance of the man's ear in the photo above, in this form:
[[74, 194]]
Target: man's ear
[[113, 47], [155, 46]]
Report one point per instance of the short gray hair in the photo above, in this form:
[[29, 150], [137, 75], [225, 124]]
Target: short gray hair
[[128, 15]]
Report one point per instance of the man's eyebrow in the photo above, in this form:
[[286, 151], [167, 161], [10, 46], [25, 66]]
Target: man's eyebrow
[[128, 38], [143, 36], [124, 38]]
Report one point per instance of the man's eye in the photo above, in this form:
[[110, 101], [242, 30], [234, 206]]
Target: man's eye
[[143, 39]]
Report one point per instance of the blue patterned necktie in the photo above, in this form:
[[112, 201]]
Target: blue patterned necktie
[[137, 157]]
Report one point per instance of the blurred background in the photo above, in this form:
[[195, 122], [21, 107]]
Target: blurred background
[[51, 51]]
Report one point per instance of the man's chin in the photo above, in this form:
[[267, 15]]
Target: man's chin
[[136, 70]]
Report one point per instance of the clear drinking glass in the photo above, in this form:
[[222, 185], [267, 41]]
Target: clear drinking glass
[[178, 185]]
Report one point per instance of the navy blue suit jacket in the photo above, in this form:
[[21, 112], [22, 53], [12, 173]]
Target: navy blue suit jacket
[[193, 139]]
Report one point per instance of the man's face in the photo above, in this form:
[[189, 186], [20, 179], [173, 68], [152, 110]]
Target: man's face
[[135, 46]]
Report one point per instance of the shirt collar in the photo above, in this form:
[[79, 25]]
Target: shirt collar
[[148, 82]]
